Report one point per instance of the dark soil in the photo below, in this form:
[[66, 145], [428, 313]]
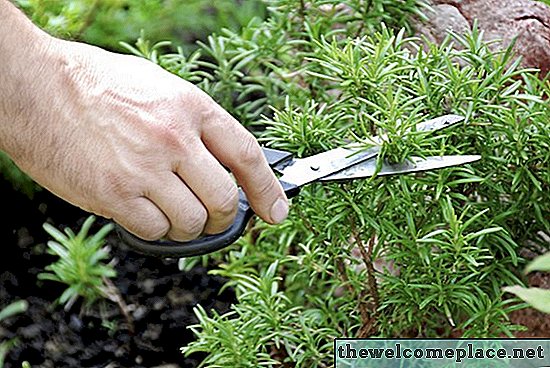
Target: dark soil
[[537, 323], [159, 297]]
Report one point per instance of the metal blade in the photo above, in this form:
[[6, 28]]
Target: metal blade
[[439, 123], [431, 125], [306, 170], [416, 164]]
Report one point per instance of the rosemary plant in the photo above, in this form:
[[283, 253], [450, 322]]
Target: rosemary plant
[[107, 22], [81, 263], [412, 256]]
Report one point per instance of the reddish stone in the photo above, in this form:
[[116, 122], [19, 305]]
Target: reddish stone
[[501, 20]]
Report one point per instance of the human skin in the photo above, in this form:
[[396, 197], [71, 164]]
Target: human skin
[[118, 136]]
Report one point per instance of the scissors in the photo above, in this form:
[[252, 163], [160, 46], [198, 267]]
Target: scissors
[[339, 164]]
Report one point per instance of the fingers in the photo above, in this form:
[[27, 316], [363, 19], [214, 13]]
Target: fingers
[[199, 195], [186, 214], [141, 217], [209, 181], [236, 148]]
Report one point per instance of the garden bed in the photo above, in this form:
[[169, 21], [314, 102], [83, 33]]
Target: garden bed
[[159, 297], [454, 235]]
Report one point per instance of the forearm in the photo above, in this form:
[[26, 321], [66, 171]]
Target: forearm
[[23, 57]]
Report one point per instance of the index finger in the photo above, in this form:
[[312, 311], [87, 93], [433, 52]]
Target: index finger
[[237, 149]]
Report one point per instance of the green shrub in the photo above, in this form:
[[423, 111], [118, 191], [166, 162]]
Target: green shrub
[[19, 180], [107, 22], [424, 255]]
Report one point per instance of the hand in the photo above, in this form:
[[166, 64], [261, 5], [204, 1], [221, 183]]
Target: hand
[[118, 136]]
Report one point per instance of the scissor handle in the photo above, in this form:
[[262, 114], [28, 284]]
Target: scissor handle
[[205, 244], [208, 243]]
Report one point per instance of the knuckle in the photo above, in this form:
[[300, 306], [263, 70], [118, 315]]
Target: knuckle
[[250, 154], [154, 231], [170, 137], [145, 226], [267, 188], [227, 205], [115, 184], [194, 222], [199, 104]]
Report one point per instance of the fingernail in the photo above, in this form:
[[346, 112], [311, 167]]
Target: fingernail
[[279, 211]]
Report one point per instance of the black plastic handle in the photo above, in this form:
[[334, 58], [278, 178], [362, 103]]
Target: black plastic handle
[[205, 244]]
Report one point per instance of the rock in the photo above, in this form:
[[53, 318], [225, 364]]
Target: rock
[[179, 297], [159, 303], [443, 19], [527, 21]]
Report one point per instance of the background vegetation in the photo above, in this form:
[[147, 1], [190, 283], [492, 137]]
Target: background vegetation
[[424, 255], [107, 22]]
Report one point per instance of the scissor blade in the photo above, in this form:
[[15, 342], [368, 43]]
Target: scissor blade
[[431, 125], [306, 170], [415, 164], [439, 123]]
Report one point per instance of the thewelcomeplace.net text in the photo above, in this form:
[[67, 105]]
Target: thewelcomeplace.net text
[[380, 352], [468, 351]]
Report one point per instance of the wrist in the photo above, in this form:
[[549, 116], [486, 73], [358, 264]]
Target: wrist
[[27, 58]]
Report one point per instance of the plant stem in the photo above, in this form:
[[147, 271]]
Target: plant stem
[[114, 295], [368, 314]]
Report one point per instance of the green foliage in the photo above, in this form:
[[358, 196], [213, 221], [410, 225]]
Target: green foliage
[[541, 263], [107, 22], [5, 347], [8, 311], [81, 263], [536, 297], [420, 256], [59, 17]]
